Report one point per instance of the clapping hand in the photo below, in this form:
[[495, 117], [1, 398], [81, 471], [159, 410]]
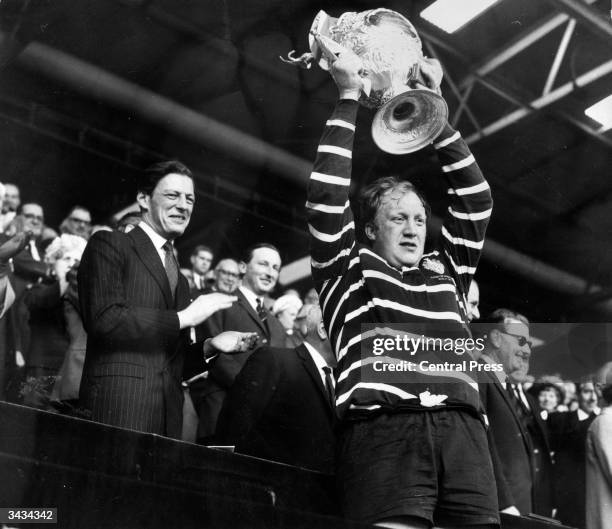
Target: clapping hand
[[203, 307], [11, 248]]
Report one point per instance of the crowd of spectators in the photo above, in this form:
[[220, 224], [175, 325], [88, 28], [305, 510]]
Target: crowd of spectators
[[538, 444]]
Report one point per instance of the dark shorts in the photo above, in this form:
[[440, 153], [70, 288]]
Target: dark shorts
[[431, 465]]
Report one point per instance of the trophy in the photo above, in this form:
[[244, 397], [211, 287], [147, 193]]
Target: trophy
[[409, 115]]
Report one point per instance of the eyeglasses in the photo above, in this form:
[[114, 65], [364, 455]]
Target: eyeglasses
[[80, 221], [225, 273], [31, 216], [520, 339]]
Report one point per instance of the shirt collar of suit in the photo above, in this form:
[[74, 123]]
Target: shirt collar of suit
[[251, 297], [318, 359], [157, 240]]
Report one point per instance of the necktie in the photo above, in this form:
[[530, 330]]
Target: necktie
[[171, 267], [261, 311], [329, 386], [519, 407]]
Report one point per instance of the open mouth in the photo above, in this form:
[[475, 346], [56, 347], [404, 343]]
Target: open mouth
[[409, 245]]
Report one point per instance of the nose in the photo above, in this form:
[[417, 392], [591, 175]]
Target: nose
[[182, 202], [409, 229], [476, 313]]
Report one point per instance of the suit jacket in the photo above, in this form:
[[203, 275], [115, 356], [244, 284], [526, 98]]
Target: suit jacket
[[568, 441], [208, 395], [278, 409], [135, 350], [599, 472], [49, 337], [537, 429], [511, 447]]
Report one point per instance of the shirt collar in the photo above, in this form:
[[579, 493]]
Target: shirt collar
[[583, 415], [317, 358], [157, 240], [250, 296]]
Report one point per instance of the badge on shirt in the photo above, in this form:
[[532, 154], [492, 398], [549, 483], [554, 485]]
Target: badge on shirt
[[432, 264]]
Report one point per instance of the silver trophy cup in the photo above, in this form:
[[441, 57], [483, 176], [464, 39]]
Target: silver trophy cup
[[409, 115]]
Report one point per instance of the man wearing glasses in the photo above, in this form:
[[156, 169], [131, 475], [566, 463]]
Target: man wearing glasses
[[227, 276], [518, 435], [78, 222]]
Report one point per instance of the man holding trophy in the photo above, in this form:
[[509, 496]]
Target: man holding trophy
[[413, 447]]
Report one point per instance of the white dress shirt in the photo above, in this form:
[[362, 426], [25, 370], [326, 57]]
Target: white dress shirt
[[320, 363], [157, 240]]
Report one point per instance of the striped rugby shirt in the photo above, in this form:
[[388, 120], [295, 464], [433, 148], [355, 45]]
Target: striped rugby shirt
[[357, 287]]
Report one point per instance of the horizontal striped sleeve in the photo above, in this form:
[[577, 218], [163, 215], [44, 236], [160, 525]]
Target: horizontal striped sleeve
[[470, 208], [330, 219], [476, 245]]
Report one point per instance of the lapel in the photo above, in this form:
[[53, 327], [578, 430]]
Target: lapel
[[313, 372], [517, 420], [244, 303], [150, 258]]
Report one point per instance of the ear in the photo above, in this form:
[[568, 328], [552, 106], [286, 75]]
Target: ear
[[242, 266], [495, 338], [143, 200], [321, 331], [370, 231]]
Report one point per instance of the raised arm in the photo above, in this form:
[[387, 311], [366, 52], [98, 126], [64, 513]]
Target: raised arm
[[330, 219], [468, 215]]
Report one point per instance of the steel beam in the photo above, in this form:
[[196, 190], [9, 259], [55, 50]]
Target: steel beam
[[518, 45], [544, 101], [586, 14]]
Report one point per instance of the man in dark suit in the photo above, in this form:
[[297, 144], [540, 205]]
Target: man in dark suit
[[201, 259], [517, 434], [137, 312], [280, 406], [261, 267]]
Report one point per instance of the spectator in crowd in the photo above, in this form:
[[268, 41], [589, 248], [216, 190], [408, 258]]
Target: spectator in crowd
[[227, 276], [65, 253], [398, 467], [201, 259], [129, 221], [520, 451], [286, 308], [473, 301], [599, 458], [54, 320], [10, 204], [548, 396], [29, 268], [8, 249], [77, 222], [136, 311], [281, 404], [311, 297], [568, 433], [261, 266]]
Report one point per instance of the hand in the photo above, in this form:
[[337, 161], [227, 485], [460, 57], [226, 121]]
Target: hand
[[347, 71], [511, 510], [14, 245], [431, 73], [11, 248], [203, 307], [232, 342], [19, 359], [60, 269]]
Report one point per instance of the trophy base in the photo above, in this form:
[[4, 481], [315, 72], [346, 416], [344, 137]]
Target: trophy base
[[409, 121]]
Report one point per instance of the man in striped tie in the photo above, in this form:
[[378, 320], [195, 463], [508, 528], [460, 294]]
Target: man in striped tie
[[413, 449]]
